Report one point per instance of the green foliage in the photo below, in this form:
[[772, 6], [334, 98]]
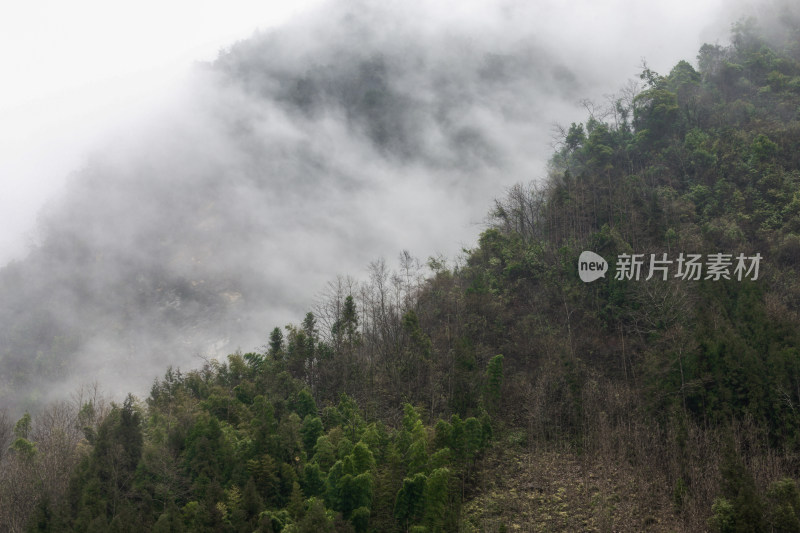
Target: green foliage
[[723, 519], [494, 382], [762, 148], [420, 341], [410, 502], [741, 507], [783, 506], [305, 405], [23, 427], [25, 448], [170, 521], [345, 329], [276, 343], [311, 431], [360, 519], [436, 495], [656, 116], [317, 519], [575, 136], [324, 454], [313, 482], [679, 494]]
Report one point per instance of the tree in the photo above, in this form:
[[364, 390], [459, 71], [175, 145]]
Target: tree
[[276, 343], [23, 426], [739, 490], [6, 432], [410, 502], [110, 471], [347, 327], [317, 519], [494, 382], [324, 454], [436, 495], [311, 431], [783, 506], [313, 482]]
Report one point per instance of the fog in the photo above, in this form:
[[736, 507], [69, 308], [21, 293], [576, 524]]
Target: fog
[[346, 134]]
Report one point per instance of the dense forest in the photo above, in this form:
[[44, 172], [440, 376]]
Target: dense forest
[[499, 392]]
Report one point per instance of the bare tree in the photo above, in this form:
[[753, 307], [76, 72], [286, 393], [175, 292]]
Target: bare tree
[[521, 212], [6, 431]]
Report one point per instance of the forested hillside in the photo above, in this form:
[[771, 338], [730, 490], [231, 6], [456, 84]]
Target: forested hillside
[[298, 154], [499, 392]]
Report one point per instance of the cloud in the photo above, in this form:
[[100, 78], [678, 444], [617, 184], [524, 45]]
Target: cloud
[[304, 152]]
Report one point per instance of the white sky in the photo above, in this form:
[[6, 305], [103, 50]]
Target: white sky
[[73, 71]]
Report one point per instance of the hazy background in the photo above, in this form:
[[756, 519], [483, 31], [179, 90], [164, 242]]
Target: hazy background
[[154, 210]]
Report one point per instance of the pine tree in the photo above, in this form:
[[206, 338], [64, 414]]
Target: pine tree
[[276, 344]]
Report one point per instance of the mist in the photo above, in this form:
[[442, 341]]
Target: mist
[[350, 133]]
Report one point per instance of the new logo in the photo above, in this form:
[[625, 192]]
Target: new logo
[[591, 267]]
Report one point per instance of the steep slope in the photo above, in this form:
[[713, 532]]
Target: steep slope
[[288, 162], [505, 386]]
